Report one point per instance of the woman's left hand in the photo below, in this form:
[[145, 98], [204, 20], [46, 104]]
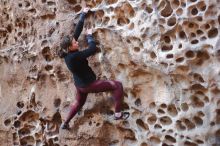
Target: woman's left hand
[[89, 31]]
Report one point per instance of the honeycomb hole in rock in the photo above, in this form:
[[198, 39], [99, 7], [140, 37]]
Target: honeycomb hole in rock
[[170, 131], [17, 124], [125, 106], [169, 56], [162, 21], [122, 21], [202, 56], [196, 102], [131, 26], [19, 112], [73, 2], [167, 11], [179, 11], [24, 131], [172, 110], [203, 38], [20, 104], [165, 120], [182, 35], [20, 5], [167, 39], [190, 54], [193, 35], [157, 126], [163, 105], [180, 59], [105, 20], [99, 14], [56, 139], [199, 18], [192, 1], [188, 143], [197, 120], [110, 1], [129, 9], [153, 55], [198, 141], [171, 21], [201, 6], [218, 116], [143, 144], [160, 111], [152, 119], [141, 124], [198, 77], [129, 134], [148, 9], [175, 4], [152, 105], [155, 139], [77, 8], [137, 102], [219, 19], [194, 11], [136, 49], [32, 10], [217, 134], [180, 46], [212, 123], [190, 125], [7, 122], [27, 140], [166, 48], [165, 144], [191, 25], [57, 118], [29, 116], [164, 64], [212, 33], [170, 139], [199, 32], [46, 53], [51, 3], [48, 67], [207, 26], [194, 42], [180, 126], [57, 102], [37, 135]]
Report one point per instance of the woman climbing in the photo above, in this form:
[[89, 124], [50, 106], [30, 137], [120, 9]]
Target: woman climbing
[[84, 78]]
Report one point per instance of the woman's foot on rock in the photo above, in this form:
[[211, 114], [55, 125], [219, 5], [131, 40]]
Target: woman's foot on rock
[[65, 126]]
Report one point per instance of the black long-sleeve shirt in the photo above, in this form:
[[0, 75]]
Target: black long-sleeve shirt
[[77, 61]]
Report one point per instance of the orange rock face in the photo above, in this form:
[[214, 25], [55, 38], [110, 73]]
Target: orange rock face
[[166, 54]]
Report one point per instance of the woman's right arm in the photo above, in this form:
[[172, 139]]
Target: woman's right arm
[[79, 26]]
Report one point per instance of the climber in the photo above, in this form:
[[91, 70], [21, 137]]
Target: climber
[[84, 78]]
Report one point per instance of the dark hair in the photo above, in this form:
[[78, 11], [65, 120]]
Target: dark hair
[[64, 45]]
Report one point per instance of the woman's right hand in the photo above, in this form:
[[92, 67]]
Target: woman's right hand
[[86, 9]]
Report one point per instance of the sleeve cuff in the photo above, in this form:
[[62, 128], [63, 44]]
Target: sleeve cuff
[[90, 38], [82, 16]]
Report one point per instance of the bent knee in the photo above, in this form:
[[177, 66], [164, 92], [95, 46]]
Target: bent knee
[[118, 84]]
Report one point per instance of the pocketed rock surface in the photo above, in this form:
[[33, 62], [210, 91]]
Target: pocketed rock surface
[[166, 53]]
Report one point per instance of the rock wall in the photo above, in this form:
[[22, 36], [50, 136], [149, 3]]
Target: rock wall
[[166, 54]]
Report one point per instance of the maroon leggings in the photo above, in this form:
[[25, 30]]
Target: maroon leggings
[[95, 87]]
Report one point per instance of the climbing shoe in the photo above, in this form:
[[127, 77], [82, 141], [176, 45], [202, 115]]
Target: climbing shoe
[[124, 116], [65, 126]]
